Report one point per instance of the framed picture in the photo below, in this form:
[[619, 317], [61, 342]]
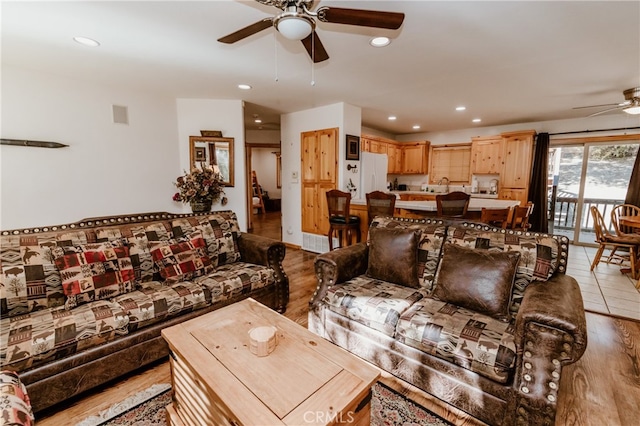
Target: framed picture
[[353, 147], [200, 154]]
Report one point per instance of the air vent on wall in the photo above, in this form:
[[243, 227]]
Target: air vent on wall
[[120, 114]]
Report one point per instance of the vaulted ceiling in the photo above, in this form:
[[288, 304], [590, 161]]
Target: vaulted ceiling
[[507, 62]]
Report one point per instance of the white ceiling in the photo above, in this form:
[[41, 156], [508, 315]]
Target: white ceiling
[[507, 62]]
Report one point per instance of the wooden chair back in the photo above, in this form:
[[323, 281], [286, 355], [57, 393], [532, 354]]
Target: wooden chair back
[[338, 203], [453, 204], [599, 227], [380, 204], [500, 218], [520, 217], [624, 210]]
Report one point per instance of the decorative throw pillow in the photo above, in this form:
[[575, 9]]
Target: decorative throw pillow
[[478, 280], [181, 260], [94, 271], [393, 255]]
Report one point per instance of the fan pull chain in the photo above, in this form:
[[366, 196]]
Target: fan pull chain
[[313, 55], [275, 55]]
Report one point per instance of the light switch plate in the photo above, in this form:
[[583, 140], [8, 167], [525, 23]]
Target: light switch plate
[[294, 177]]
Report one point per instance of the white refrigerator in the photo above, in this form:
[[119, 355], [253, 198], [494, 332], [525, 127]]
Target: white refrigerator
[[373, 173]]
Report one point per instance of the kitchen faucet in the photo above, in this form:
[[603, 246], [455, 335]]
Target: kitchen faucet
[[446, 185]]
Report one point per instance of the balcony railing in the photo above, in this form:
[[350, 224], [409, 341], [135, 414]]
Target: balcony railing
[[564, 212]]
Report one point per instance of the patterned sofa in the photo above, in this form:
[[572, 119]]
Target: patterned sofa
[[84, 303], [482, 318]]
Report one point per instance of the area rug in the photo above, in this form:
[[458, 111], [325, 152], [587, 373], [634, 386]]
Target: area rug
[[147, 408]]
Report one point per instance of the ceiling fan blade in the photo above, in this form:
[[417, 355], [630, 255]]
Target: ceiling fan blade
[[363, 18], [247, 31], [606, 110], [602, 105], [315, 48]]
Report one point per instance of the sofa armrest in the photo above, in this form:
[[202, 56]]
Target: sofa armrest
[[265, 251], [556, 304], [551, 332], [338, 266]]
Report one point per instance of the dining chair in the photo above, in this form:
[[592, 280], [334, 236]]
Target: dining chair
[[606, 240], [340, 219], [500, 218], [380, 204], [453, 204], [624, 210], [520, 217]]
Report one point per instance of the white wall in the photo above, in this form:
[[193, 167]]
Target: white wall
[[263, 136], [227, 116], [263, 161], [107, 169], [347, 118]]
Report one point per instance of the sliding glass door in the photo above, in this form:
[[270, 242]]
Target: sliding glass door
[[583, 175]]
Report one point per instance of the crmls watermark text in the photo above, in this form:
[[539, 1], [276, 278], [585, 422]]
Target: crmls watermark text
[[329, 417]]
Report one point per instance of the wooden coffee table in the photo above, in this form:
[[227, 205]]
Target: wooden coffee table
[[306, 380]]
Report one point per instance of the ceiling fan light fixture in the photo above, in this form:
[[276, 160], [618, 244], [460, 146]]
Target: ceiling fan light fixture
[[380, 41], [633, 109], [294, 26]]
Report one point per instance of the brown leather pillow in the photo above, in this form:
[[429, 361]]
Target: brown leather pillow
[[478, 280], [393, 255]]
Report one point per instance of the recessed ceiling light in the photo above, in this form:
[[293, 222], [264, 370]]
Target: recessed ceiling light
[[244, 86], [392, 117], [85, 41], [476, 120], [380, 41], [257, 120], [416, 127], [461, 108]]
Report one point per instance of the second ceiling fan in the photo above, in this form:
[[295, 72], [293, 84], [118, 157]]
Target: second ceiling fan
[[296, 22]]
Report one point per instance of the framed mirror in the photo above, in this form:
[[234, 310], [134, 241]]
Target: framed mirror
[[213, 152]]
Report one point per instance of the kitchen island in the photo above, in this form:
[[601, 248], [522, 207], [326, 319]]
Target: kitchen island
[[421, 209]]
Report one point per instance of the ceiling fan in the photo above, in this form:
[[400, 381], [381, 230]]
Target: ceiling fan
[[296, 22], [631, 104]]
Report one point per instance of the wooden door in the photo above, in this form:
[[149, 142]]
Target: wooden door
[[319, 159]]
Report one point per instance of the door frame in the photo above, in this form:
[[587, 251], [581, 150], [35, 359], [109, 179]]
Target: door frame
[[248, 168]]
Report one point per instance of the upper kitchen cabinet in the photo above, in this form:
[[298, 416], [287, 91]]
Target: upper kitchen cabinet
[[517, 162], [452, 162], [394, 152], [518, 150], [486, 155], [415, 158]]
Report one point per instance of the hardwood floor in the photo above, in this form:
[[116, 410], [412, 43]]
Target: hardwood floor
[[602, 388]]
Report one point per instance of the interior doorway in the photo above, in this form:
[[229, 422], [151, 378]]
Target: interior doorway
[[264, 192], [588, 172]]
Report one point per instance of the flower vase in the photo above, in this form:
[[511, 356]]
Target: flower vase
[[200, 206]]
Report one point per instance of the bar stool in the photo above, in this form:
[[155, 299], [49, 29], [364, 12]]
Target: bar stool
[[520, 220], [453, 204], [497, 217], [340, 220], [380, 204]]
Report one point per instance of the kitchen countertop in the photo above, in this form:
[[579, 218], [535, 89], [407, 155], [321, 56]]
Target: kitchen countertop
[[475, 204], [473, 194]]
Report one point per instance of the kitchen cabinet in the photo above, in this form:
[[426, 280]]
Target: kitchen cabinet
[[452, 162], [418, 197], [415, 158], [516, 167], [394, 152], [519, 194], [319, 174], [486, 155], [518, 150]]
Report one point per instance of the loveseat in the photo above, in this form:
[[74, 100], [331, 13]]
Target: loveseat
[[84, 303], [484, 319]]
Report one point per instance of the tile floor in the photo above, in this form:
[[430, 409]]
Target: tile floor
[[605, 289]]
